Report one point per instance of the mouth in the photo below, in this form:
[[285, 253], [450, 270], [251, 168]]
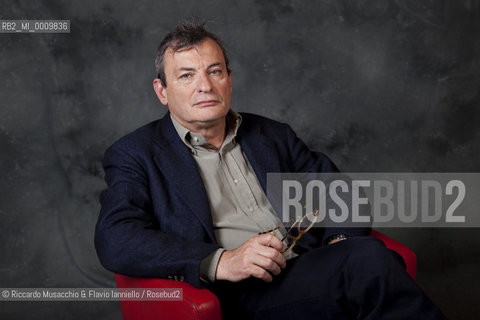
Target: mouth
[[206, 103]]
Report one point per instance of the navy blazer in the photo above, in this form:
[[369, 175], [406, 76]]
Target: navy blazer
[[155, 219]]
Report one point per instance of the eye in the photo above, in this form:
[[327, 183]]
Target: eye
[[216, 71], [186, 76]]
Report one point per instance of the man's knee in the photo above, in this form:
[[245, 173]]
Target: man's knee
[[364, 245], [370, 254]]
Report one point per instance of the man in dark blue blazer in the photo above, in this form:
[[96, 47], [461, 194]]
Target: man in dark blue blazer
[[160, 217]]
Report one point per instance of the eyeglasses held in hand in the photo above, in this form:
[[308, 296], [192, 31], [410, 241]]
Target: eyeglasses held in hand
[[299, 226]]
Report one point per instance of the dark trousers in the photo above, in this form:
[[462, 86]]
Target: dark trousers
[[358, 278]]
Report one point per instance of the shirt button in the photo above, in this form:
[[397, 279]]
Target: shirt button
[[195, 139], [250, 209], [235, 180]]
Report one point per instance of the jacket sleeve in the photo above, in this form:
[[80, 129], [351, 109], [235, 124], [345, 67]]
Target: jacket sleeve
[[128, 235]]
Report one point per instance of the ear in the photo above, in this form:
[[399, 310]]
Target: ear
[[160, 91], [230, 79]]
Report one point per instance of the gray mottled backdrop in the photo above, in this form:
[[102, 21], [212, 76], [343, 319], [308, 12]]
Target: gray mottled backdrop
[[377, 85]]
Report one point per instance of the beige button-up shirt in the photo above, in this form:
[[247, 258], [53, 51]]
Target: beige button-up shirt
[[239, 206]]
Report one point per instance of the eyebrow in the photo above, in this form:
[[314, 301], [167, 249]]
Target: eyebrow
[[214, 65], [193, 69], [186, 69]]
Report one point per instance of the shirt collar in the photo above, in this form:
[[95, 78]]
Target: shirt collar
[[195, 140]]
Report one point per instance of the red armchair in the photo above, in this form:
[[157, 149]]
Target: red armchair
[[202, 303]]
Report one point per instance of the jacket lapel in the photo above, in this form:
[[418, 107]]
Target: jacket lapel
[[180, 170], [260, 152], [264, 155]]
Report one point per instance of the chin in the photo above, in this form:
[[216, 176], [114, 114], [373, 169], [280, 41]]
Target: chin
[[212, 115]]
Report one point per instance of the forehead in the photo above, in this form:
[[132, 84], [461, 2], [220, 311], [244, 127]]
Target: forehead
[[205, 52]]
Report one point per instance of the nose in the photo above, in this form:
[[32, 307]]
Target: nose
[[204, 83]]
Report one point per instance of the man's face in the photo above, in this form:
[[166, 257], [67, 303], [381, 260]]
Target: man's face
[[199, 88]]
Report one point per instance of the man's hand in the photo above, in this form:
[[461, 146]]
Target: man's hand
[[260, 257]]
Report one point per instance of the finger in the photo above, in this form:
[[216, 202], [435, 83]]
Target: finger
[[267, 264], [271, 241], [261, 273], [273, 254]]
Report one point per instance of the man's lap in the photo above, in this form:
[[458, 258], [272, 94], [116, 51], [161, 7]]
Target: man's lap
[[322, 277]]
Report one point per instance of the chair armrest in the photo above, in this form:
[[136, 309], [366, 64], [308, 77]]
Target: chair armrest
[[203, 304], [407, 254], [196, 304]]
